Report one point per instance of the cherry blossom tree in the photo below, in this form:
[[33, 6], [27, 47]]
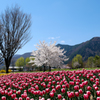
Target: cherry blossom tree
[[48, 55]]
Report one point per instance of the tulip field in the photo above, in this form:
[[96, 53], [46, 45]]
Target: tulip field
[[57, 85]]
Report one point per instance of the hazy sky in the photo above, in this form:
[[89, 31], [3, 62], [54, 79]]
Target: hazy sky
[[65, 21]]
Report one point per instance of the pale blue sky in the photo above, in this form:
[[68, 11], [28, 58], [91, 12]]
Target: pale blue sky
[[65, 21]]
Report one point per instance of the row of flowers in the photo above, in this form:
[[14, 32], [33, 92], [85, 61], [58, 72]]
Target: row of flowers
[[58, 85]]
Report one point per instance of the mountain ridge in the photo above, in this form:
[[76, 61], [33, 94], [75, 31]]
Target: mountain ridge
[[88, 48]]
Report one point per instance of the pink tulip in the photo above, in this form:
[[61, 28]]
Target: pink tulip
[[71, 83], [3, 98], [91, 79], [96, 88], [86, 96], [77, 83], [88, 92], [36, 87], [54, 90], [20, 98], [70, 95], [81, 85], [67, 85], [63, 86], [98, 93], [80, 91], [97, 83], [59, 96], [76, 87], [51, 94], [63, 90], [77, 94], [98, 98], [97, 79], [27, 98], [15, 98]]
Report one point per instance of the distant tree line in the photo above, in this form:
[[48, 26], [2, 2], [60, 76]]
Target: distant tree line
[[21, 62], [77, 61]]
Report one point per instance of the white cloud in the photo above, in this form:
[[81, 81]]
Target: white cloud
[[35, 45], [58, 37], [62, 41], [52, 38]]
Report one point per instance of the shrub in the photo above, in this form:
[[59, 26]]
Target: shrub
[[2, 71]]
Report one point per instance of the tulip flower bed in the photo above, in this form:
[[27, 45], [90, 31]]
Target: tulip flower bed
[[57, 85], [2, 74]]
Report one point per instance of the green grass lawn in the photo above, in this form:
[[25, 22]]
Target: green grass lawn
[[61, 70], [75, 69]]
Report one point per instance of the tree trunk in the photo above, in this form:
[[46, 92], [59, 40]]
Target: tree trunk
[[44, 69], [49, 69], [7, 67], [7, 63]]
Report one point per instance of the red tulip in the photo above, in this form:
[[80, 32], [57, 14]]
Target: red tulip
[[97, 82], [3, 98], [77, 94], [82, 80], [48, 85], [85, 82], [72, 93], [71, 83], [91, 79], [88, 92], [16, 98], [98, 98], [58, 87], [94, 85], [48, 99], [69, 95], [20, 98], [88, 88], [94, 76], [54, 90], [27, 98], [58, 83], [67, 85], [96, 88], [14, 91], [63, 86], [86, 96], [2, 92], [6, 92], [63, 90], [77, 83], [97, 79], [80, 91], [98, 93], [53, 82], [36, 87], [47, 90], [76, 87], [51, 94], [59, 96], [81, 85], [13, 96]]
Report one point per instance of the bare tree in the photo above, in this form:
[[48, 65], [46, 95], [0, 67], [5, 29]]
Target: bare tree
[[14, 32]]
